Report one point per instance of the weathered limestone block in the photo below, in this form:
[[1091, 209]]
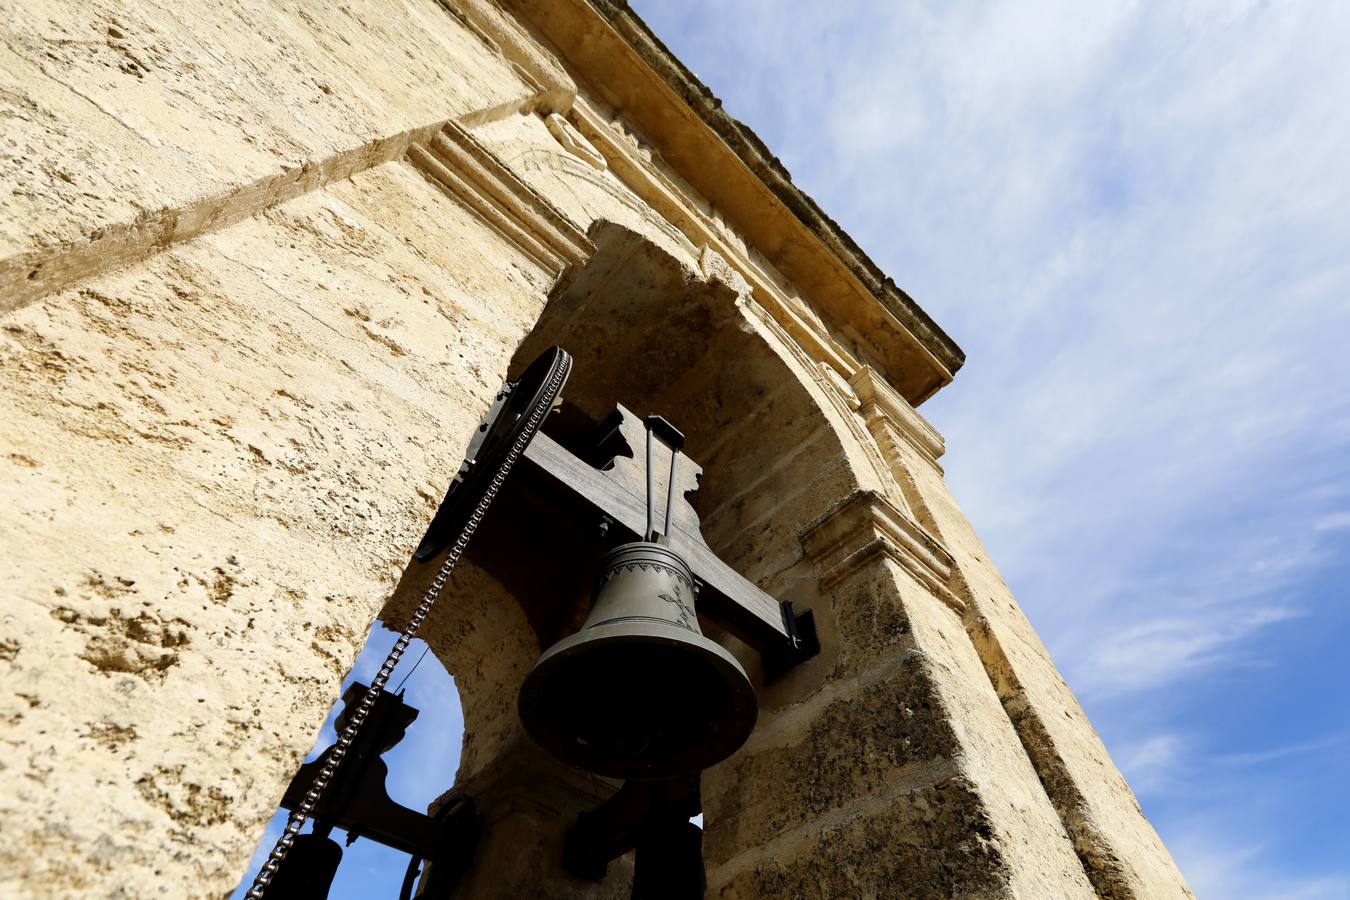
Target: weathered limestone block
[[901, 770], [1119, 849], [528, 801], [886, 852], [895, 736], [217, 463], [131, 124]]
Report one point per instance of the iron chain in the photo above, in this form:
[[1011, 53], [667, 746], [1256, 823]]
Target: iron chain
[[306, 807]]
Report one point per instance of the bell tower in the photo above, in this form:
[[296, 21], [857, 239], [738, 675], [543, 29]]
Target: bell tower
[[263, 274]]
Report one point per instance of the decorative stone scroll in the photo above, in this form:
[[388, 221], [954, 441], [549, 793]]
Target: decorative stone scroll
[[572, 141]]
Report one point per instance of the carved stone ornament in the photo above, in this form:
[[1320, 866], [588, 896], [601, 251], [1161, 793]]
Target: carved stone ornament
[[572, 141]]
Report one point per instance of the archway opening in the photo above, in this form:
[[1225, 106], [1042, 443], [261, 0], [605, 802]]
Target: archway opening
[[658, 334], [432, 744]]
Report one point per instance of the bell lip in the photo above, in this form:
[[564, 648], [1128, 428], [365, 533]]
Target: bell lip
[[726, 744]]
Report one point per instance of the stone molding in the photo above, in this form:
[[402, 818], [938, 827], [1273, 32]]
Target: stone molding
[[843, 402], [879, 403], [568, 163], [485, 186], [515, 782], [840, 385], [864, 527], [603, 44], [676, 202], [28, 277]]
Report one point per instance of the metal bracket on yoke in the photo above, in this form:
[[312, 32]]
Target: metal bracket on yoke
[[802, 642], [359, 804], [672, 437]]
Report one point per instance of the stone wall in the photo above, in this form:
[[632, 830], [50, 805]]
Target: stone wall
[[218, 461], [241, 360]]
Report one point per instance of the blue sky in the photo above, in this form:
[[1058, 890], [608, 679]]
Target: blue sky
[[421, 767], [1136, 221]]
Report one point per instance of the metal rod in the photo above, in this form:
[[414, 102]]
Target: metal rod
[[651, 513], [670, 492]]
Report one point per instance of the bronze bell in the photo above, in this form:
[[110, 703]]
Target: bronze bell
[[639, 692]]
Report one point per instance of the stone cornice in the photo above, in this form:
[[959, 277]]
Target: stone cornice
[[879, 403], [606, 46], [647, 182], [865, 526], [488, 188]]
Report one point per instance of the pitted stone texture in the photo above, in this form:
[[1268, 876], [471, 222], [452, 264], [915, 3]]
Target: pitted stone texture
[[217, 464], [527, 800], [1120, 850], [906, 707], [930, 841], [853, 744]]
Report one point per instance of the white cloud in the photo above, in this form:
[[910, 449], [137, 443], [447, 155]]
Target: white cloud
[[1281, 752], [1333, 522], [429, 757], [1136, 219], [1219, 870], [1154, 763], [1157, 652]]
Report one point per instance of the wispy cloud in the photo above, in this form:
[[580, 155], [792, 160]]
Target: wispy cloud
[[1217, 869], [1333, 522], [1158, 652], [423, 765], [1154, 763], [1164, 762], [1281, 752], [1136, 219]]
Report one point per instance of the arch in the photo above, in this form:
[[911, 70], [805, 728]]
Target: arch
[[658, 334], [685, 339], [481, 636]]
